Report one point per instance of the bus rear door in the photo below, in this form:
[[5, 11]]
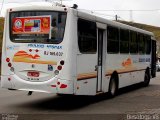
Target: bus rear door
[[101, 55]]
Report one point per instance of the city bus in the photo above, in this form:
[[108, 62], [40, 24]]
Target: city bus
[[64, 50]]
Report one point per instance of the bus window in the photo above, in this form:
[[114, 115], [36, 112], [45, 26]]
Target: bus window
[[133, 42], [87, 36], [141, 44], [148, 44], [112, 40], [32, 31], [124, 41]]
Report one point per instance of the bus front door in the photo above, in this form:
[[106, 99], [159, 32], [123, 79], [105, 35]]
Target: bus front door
[[153, 61]]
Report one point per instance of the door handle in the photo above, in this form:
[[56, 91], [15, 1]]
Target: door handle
[[96, 68]]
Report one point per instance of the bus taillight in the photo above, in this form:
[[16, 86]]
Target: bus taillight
[[59, 67], [63, 86], [9, 79], [58, 83], [9, 64], [7, 60], [62, 62]]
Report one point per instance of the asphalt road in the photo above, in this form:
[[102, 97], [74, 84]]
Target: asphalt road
[[131, 101]]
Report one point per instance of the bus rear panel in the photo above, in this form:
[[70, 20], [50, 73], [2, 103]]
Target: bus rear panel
[[35, 51]]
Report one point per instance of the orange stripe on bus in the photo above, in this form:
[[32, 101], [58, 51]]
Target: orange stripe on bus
[[85, 76]]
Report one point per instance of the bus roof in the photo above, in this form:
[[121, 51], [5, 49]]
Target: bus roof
[[110, 22], [37, 7]]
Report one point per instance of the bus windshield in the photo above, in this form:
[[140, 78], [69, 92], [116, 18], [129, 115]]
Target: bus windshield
[[37, 26]]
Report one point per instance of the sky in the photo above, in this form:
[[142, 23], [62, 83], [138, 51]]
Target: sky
[[141, 11]]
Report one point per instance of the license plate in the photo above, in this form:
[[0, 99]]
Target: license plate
[[33, 74]]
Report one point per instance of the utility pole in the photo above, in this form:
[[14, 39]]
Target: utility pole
[[116, 17], [131, 15]]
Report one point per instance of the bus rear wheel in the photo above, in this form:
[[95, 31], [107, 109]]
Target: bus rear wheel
[[146, 78], [113, 87]]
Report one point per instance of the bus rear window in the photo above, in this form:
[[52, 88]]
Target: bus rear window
[[37, 26]]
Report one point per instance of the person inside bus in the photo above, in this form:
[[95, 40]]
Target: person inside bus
[[54, 28], [57, 29]]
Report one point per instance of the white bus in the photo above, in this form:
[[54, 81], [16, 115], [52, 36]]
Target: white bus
[[64, 50]]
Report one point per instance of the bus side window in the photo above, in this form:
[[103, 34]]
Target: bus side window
[[148, 44], [141, 44], [124, 41], [112, 39], [133, 42], [87, 36]]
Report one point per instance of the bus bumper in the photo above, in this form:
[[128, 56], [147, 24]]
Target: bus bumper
[[54, 85]]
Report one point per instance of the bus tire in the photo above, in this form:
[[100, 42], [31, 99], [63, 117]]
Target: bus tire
[[146, 78], [113, 86]]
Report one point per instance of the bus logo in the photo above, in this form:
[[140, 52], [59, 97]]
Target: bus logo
[[18, 24]]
